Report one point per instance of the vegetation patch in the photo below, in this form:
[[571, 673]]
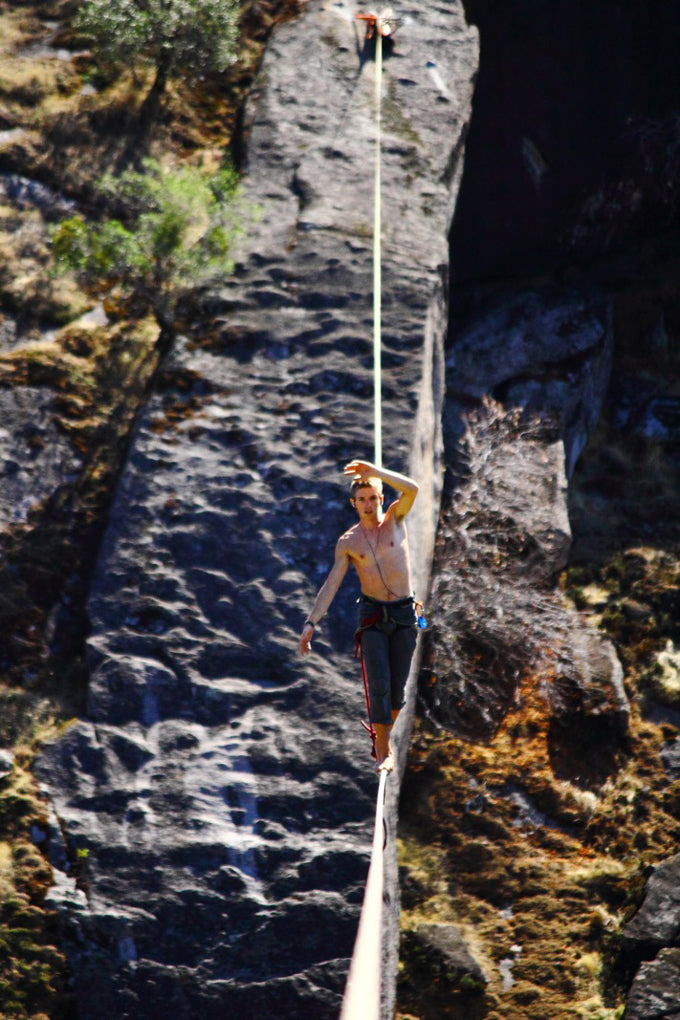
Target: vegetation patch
[[68, 115], [539, 843], [34, 977]]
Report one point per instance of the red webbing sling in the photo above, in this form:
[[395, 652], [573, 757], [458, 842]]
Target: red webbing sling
[[368, 621]]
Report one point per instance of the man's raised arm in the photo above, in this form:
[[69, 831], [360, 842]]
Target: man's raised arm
[[402, 483]]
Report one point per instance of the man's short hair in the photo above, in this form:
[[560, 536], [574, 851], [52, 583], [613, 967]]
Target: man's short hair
[[360, 482]]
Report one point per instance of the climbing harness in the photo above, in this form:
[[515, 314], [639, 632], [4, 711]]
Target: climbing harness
[[380, 615], [369, 727]]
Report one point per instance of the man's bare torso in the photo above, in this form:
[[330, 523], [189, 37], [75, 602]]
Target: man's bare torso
[[381, 558]]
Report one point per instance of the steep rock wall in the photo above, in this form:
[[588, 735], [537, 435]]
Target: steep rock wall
[[564, 319], [572, 138], [216, 802]]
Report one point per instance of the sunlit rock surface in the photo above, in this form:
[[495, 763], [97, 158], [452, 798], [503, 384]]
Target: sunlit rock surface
[[504, 536], [216, 803], [548, 352]]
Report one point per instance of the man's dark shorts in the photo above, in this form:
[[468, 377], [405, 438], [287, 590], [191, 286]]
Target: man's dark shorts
[[387, 647]]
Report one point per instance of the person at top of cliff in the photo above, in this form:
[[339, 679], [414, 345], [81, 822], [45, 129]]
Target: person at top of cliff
[[377, 547], [381, 23]]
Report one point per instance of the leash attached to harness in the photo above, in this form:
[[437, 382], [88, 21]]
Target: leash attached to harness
[[368, 621], [369, 727]]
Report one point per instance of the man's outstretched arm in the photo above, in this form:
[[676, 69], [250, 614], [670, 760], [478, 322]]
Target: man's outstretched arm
[[327, 593], [402, 483]]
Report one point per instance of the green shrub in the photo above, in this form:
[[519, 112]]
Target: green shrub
[[174, 232], [195, 36]]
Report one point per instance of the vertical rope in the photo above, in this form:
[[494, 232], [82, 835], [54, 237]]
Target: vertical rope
[[362, 992], [377, 283]]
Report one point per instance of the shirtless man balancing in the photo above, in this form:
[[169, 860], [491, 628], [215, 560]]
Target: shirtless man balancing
[[377, 546]]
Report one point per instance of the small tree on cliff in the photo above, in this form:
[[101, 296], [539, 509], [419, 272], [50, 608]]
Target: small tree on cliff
[[174, 232], [171, 35]]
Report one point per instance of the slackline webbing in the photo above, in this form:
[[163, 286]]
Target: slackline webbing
[[362, 992], [377, 256]]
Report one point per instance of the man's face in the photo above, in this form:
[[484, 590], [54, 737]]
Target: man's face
[[367, 502]]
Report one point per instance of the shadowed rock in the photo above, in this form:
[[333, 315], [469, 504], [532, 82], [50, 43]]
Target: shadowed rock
[[654, 995], [36, 459], [441, 950], [657, 922], [568, 163], [548, 352]]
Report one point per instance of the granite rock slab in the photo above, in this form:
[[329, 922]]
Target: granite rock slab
[[216, 801]]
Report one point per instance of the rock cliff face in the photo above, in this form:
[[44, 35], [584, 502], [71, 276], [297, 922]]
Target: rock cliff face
[[218, 794], [210, 812]]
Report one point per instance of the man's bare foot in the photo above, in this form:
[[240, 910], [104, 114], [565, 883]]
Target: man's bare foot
[[387, 763]]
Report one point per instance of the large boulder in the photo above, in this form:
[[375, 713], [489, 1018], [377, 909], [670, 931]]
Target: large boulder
[[548, 352], [590, 694], [504, 536]]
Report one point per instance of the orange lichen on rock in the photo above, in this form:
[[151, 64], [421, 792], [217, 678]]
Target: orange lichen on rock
[[540, 871]]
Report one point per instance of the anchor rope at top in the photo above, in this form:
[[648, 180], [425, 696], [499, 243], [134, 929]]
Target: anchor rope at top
[[362, 992], [378, 27]]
